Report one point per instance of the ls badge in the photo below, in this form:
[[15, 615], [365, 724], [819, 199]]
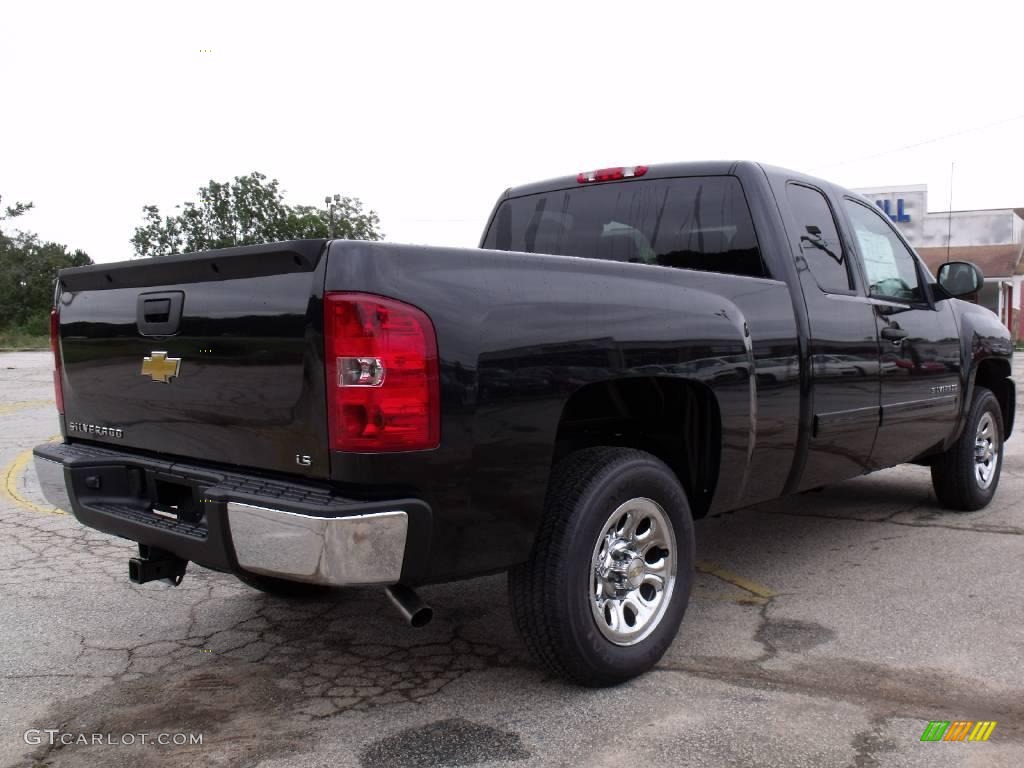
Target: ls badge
[[159, 367]]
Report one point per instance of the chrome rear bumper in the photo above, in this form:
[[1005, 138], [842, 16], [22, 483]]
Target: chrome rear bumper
[[52, 483], [362, 549], [353, 543]]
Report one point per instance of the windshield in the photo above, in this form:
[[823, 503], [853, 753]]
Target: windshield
[[690, 223]]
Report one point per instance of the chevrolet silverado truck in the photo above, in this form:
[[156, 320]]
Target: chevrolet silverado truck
[[629, 349]]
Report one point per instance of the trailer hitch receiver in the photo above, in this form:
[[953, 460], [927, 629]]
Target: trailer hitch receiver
[[153, 564]]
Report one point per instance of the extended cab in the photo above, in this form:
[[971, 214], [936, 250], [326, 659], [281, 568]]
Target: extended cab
[[628, 350]]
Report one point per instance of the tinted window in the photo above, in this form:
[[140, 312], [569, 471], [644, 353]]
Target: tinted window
[[694, 223], [819, 238], [890, 266]]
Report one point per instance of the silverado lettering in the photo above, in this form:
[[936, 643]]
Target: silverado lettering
[[95, 429]]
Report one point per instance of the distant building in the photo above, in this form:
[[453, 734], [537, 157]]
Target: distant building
[[993, 239]]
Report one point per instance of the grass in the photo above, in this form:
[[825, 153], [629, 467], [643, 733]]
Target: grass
[[16, 338]]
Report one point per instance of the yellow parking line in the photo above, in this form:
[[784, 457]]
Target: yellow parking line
[[12, 474], [728, 597], [735, 579], [6, 408]]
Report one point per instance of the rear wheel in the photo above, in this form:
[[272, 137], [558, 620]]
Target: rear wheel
[[282, 587], [965, 477], [606, 586]]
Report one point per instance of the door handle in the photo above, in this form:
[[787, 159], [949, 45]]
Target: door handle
[[156, 310], [158, 314], [895, 335]]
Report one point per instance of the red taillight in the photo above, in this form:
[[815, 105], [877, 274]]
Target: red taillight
[[382, 375], [610, 174], [58, 389]]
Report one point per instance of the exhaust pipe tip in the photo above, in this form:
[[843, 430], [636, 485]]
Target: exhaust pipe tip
[[422, 617], [417, 613]]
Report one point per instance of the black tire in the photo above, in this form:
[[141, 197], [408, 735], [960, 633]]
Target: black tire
[[282, 587], [954, 473], [551, 594]]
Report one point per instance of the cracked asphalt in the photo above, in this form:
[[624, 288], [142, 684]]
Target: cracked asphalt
[[825, 629]]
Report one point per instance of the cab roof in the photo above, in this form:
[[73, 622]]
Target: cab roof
[[662, 171]]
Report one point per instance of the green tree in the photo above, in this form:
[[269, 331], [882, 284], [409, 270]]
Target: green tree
[[28, 268], [246, 211]]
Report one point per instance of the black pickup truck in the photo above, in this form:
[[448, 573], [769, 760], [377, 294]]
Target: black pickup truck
[[629, 349]]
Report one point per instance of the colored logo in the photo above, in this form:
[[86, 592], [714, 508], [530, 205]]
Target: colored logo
[[958, 730], [900, 216], [159, 367]]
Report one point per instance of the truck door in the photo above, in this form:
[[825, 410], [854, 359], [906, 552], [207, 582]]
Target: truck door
[[842, 352], [921, 383]]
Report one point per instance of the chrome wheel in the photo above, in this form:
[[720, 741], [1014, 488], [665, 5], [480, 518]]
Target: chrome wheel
[[633, 571], [986, 451]]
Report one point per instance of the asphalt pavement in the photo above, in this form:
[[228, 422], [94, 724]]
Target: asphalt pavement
[[825, 629]]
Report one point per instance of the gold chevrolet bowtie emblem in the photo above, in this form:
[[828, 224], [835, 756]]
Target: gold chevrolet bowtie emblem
[[159, 367]]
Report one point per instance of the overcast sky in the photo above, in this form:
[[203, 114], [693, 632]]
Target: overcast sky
[[427, 111]]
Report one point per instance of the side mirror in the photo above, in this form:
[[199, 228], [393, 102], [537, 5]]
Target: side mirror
[[960, 278]]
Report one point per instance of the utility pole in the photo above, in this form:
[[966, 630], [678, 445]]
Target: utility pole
[[949, 219], [331, 206]]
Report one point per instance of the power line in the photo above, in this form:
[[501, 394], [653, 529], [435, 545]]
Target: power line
[[921, 143]]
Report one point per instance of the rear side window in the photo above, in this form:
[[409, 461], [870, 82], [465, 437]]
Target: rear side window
[[691, 223], [819, 239]]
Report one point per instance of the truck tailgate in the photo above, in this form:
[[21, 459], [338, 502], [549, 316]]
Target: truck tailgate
[[212, 356]]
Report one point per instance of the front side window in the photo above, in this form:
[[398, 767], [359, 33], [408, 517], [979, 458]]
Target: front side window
[[890, 266], [690, 223], [820, 244]]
